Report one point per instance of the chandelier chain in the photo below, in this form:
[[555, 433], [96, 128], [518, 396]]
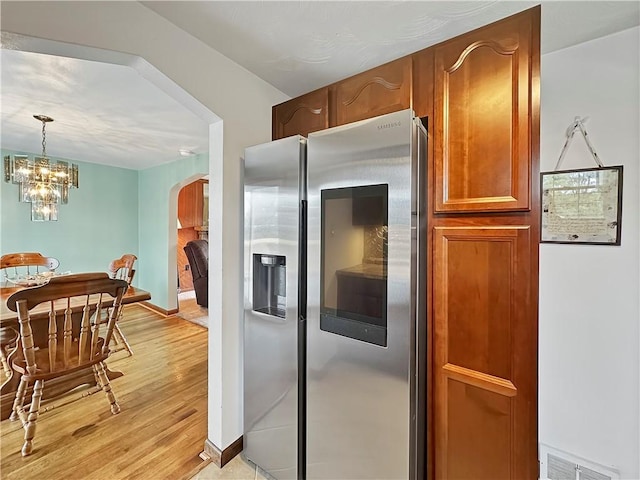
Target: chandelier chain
[[44, 139]]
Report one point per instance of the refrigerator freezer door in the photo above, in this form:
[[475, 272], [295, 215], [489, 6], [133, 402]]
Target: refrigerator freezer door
[[273, 182], [361, 311]]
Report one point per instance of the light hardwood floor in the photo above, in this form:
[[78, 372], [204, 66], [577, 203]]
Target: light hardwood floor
[[160, 430], [190, 310]]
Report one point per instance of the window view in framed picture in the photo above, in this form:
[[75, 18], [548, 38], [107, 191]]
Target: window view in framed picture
[[582, 206]]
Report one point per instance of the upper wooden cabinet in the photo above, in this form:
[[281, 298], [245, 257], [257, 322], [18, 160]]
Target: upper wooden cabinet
[[381, 90], [191, 204], [485, 96], [302, 115]]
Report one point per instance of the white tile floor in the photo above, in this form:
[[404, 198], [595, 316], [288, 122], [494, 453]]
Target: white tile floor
[[236, 469]]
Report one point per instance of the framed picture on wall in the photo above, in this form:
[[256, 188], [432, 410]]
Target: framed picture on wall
[[582, 206]]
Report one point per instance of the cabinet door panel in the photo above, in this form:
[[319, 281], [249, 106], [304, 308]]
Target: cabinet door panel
[[483, 101], [191, 204], [485, 355], [302, 115], [381, 90]]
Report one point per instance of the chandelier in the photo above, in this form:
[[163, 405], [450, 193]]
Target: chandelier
[[42, 183]]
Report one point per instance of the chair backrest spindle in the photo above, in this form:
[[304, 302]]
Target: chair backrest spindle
[[84, 331], [67, 333], [26, 334], [95, 329], [53, 337]]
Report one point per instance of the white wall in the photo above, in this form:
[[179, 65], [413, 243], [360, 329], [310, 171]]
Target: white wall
[[589, 310], [244, 103]]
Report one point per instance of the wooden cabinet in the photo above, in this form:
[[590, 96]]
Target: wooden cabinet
[[483, 107], [384, 89], [485, 356], [191, 204], [422, 70], [381, 90], [485, 230], [302, 115], [191, 214]]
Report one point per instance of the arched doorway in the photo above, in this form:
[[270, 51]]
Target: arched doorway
[[192, 224]]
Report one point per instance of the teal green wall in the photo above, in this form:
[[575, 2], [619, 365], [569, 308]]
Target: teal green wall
[[99, 223], [114, 211], [158, 188]]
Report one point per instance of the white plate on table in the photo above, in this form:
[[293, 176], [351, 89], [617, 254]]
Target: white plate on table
[[34, 280]]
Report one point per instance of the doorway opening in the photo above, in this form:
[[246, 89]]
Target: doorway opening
[[192, 264]]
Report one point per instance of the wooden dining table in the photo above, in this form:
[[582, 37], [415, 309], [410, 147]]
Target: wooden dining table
[[57, 387]]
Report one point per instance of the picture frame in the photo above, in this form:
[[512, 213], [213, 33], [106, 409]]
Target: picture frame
[[582, 206]]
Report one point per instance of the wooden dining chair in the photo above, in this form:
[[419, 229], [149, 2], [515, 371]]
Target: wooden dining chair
[[58, 337], [14, 264], [122, 268]]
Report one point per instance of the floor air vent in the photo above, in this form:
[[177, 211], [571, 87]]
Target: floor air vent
[[559, 465]]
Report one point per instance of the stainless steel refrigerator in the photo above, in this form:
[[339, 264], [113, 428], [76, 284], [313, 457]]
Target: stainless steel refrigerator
[[274, 189], [360, 332]]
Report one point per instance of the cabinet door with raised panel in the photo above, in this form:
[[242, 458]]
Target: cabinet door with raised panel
[[301, 115], [190, 204], [378, 91], [485, 91], [485, 358]]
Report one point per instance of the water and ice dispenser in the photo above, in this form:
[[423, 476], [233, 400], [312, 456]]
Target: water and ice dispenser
[[269, 284]]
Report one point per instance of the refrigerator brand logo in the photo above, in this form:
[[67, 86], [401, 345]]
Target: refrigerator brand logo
[[384, 126]]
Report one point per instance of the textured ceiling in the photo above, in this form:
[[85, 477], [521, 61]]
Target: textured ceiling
[[103, 113], [106, 113], [301, 46]]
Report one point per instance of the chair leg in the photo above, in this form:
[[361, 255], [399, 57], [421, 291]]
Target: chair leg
[[30, 427], [117, 334], [18, 403], [106, 386], [8, 344], [3, 360], [97, 377]]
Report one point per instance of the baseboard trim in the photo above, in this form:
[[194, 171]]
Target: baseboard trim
[[221, 458], [160, 310]]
